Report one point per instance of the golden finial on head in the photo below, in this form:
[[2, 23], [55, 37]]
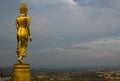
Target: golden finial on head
[[23, 8]]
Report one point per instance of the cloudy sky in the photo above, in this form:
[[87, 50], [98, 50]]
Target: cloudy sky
[[66, 33]]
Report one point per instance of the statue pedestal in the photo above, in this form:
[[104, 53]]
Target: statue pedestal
[[21, 72]]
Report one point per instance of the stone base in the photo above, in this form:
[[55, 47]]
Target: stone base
[[21, 72]]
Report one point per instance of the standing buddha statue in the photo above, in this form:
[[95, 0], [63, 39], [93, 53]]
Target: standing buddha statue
[[23, 32]]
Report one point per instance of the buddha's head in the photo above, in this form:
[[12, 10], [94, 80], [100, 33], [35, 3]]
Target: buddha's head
[[23, 9]]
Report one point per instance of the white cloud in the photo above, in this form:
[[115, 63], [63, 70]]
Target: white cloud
[[52, 2], [73, 23], [101, 44], [72, 2]]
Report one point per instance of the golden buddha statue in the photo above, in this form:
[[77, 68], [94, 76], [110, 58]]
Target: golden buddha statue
[[23, 32], [21, 70]]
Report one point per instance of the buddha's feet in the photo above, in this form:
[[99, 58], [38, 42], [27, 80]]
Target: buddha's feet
[[20, 61]]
